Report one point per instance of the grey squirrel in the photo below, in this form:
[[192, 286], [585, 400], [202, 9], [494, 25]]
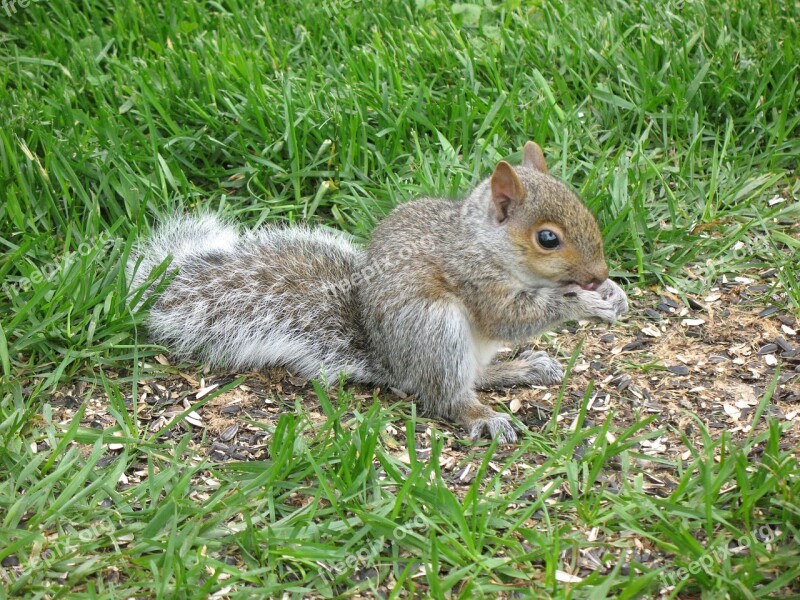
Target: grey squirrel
[[442, 286]]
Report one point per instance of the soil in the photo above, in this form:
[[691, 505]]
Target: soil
[[722, 360]]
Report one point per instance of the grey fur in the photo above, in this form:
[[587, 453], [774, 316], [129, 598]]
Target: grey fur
[[424, 308], [258, 298]]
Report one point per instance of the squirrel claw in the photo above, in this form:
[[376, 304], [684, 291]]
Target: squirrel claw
[[497, 425]]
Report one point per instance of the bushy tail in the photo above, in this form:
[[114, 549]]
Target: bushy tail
[[182, 237]]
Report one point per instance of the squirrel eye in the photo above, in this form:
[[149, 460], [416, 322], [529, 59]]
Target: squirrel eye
[[548, 240]]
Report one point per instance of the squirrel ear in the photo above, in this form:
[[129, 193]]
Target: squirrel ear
[[533, 157], [507, 190]]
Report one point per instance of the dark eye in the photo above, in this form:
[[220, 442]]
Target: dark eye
[[548, 239]]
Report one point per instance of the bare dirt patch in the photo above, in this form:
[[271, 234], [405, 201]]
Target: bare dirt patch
[[713, 357]]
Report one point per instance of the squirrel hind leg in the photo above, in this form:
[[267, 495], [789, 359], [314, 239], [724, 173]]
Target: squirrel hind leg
[[434, 358], [531, 368]]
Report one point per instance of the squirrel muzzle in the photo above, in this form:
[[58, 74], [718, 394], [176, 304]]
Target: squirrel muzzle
[[591, 280]]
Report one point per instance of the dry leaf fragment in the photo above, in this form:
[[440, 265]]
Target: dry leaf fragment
[[191, 380]]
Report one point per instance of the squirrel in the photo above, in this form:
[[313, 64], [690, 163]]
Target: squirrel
[[441, 287]]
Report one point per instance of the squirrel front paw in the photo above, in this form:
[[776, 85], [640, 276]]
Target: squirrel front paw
[[593, 305], [480, 420], [611, 292], [542, 369]]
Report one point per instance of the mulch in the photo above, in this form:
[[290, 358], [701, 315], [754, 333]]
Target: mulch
[[675, 357], [713, 357]]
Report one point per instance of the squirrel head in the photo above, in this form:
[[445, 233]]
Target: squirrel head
[[553, 234]]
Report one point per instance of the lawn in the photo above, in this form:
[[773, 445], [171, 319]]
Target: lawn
[[665, 466]]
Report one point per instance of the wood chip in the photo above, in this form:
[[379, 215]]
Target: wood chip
[[731, 411], [693, 322], [678, 370], [115, 445], [564, 577], [651, 331]]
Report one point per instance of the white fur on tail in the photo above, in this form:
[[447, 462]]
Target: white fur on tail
[[270, 297]]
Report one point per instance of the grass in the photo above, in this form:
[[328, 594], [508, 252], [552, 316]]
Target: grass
[[677, 122]]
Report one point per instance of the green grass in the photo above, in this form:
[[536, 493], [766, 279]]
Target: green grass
[[677, 122]]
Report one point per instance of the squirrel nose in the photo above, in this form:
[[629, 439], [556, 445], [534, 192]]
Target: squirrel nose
[[592, 285], [596, 276]]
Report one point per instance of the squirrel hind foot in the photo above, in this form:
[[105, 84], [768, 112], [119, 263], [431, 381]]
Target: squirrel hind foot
[[543, 369], [479, 420], [530, 368]]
